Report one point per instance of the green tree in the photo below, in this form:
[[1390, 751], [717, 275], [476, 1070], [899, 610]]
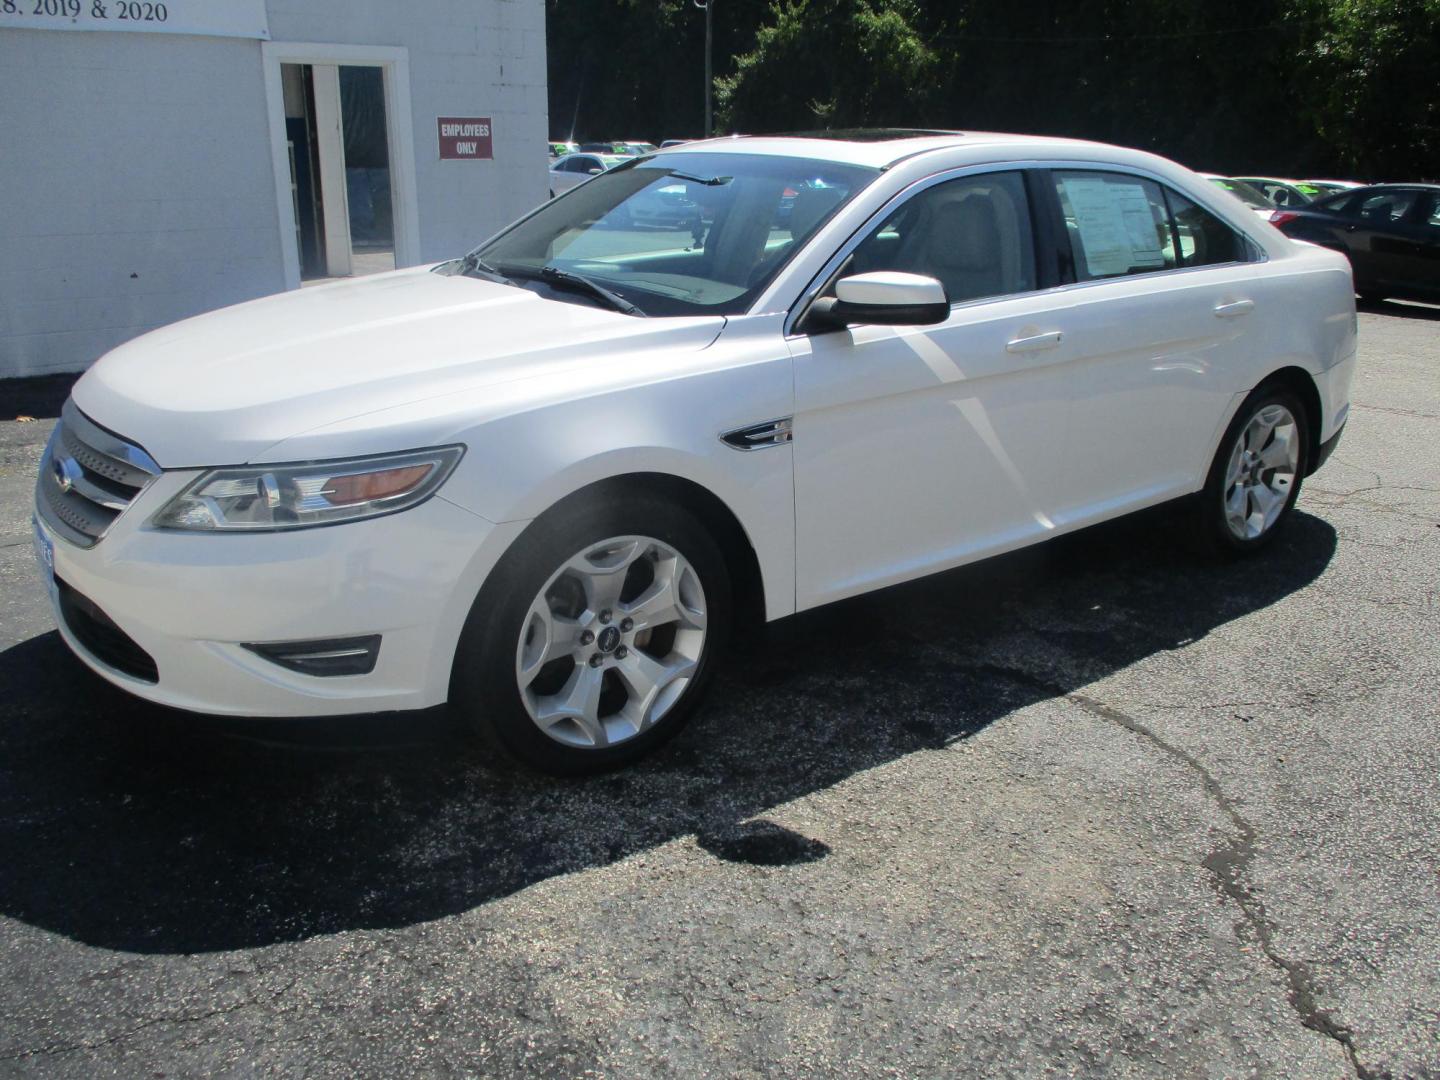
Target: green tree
[[1284, 87], [831, 64], [1371, 79]]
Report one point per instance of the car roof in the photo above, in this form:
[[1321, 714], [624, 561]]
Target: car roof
[[876, 147], [1395, 187]]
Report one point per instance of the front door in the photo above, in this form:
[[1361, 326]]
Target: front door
[[918, 448]]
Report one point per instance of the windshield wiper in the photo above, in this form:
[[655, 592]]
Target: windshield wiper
[[567, 279], [474, 266], [708, 181]]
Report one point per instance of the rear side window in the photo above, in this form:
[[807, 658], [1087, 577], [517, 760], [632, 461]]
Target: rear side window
[[1204, 239], [1335, 204], [1117, 224], [1385, 206]]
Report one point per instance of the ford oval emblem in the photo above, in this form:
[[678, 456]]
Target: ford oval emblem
[[63, 479]]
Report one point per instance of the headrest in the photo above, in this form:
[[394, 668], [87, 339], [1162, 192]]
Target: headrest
[[964, 234]]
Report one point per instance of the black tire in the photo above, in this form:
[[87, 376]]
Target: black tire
[[1214, 530], [484, 693]]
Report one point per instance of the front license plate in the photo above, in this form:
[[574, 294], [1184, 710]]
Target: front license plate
[[45, 556]]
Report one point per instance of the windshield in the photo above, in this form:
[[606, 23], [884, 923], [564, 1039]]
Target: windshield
[[681, 234]]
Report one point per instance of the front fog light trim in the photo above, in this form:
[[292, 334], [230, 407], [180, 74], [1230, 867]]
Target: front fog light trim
[[323, 656], [307, 494]]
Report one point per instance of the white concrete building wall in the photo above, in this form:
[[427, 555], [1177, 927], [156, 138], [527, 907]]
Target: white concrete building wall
[[137, 184], [136, 188]]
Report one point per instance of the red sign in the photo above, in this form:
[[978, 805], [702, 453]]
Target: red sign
[[465, 138]]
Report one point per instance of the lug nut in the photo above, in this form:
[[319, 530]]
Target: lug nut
[[586, 637], [597, 660], [605, 617], [626, 625], [621, 653]]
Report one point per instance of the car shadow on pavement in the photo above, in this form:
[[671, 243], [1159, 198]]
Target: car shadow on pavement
[[1400, 309], [128, 827]]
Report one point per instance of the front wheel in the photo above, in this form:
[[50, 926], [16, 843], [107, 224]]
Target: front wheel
[[596, 642], [1257, 472]]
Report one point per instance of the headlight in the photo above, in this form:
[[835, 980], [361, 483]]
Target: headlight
[[303, 494]]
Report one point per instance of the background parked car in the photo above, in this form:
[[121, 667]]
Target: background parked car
[[1281, 192], [1391, 232], [1250, 196], [574, 169], [561, 148], [1332, 187]]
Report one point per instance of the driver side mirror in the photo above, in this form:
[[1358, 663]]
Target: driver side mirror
[[883, 297], [596, 172]]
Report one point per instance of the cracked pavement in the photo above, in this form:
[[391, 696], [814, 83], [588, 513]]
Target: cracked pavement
[[1102, 808]]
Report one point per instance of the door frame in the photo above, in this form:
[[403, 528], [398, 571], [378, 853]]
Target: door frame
[[399, 133]]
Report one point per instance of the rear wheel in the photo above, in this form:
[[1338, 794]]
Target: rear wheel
[[1257, 472], [597, 639]]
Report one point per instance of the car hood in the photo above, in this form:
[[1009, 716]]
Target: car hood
[[220, 388]]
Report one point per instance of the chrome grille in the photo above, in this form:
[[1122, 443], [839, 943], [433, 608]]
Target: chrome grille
[[88, 477]]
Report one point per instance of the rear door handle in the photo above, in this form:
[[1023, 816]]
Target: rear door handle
[[1034, 344], [1236, 307]]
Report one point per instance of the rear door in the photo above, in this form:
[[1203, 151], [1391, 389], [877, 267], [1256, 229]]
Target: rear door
[[1162, 305]]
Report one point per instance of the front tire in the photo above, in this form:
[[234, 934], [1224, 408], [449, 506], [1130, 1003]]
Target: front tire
[[596, 637], [1257, 472]]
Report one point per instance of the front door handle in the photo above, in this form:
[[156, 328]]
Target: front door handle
[[1034, 344], [1236, 307]]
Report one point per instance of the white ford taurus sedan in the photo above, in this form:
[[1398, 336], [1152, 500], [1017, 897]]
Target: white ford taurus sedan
[[542, 481]]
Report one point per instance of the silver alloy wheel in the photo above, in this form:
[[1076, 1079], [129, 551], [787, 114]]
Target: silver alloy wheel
[[611, 641], [1261, 472]]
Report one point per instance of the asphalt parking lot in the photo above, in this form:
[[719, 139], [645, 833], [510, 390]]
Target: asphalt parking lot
[[1104, 808]]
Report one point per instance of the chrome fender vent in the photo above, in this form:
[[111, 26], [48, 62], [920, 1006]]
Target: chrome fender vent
[[759, 436]]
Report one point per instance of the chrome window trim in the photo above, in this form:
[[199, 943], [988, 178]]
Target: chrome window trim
[[812, 290]]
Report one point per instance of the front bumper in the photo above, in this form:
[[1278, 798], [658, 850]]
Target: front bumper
[[189, 601], [1328, 447]]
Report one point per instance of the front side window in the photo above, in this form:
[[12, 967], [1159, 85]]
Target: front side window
[[681, 234], [972, 234]]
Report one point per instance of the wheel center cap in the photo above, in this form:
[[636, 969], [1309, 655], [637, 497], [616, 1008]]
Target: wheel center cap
[[609, 639]]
